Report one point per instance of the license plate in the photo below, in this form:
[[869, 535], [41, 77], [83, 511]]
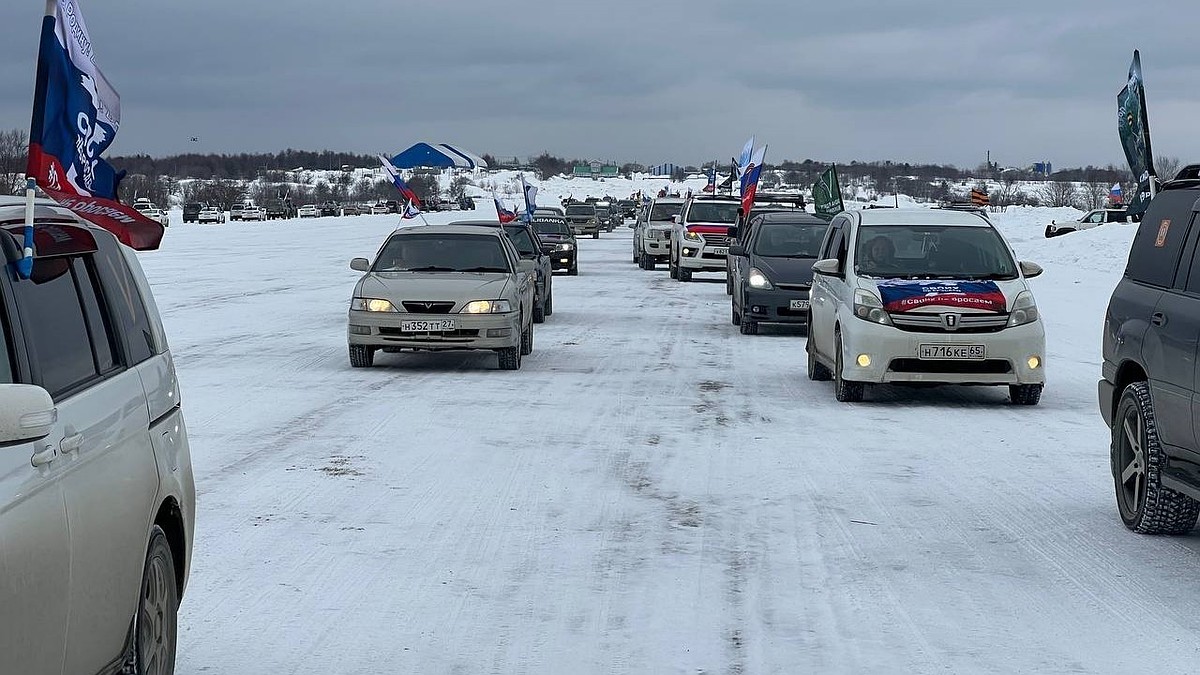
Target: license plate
[[427, 326], [952, 352], [797, 304], [719, 250]]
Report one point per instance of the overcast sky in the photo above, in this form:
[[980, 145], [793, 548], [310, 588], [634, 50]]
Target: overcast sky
[[634, 80]]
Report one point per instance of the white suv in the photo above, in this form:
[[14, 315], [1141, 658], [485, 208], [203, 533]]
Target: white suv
[[97, 501], [700, 235], [652, 233], [923, 296]]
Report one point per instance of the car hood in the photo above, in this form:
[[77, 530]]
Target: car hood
[[945, 295], [554, 238], [460, 287], [785, 270], [664, 225]]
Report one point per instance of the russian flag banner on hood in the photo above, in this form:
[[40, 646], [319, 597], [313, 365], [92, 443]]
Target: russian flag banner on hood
[[76, 115], [905, 295]]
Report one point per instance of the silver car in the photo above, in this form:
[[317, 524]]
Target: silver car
[[447, 287], [97, 500]]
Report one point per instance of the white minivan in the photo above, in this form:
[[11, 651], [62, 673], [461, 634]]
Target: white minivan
[[923, 296]]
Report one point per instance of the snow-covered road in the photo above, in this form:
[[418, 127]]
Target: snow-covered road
[[651, 493]]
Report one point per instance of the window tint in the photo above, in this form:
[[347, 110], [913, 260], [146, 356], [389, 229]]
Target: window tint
[[59, 324], [442, 253], [1158, 244], [520, 237], [126, 304]]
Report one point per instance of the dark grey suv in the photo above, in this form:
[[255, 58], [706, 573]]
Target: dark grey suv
[[1148, 395]]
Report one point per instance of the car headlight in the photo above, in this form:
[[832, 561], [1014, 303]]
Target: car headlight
[[486, 307], [692, 236], [758, 280], [868, 307], [371, 305], [564, 247], [1024, 310]]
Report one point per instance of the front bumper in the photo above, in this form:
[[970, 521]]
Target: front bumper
[[656, 247], [775, 306], [562, 260], [472, 331], [894, 355], [584, 228], [694, 256]]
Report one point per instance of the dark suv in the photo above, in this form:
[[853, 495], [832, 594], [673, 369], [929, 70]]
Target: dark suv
[[558, 242], [191, 212], [529, 246], [1148, 396]]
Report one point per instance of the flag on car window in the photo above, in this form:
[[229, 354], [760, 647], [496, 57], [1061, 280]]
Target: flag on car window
[[747, 156], [1134, 130], [530, 193], [394, 174], [750, 176], [505, 215], [76, 115], [1115, 195]]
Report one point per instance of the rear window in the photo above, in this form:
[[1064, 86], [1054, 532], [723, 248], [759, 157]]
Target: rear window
[[1158, 244]]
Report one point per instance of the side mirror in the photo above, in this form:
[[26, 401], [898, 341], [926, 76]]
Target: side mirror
[[733, 233], [737, 251], [675, 219], [1030, 270], [27, 413], [828, 267], [360, 265]]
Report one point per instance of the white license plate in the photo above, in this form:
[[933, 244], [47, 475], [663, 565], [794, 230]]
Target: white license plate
[[797, 304], [952, 352], [427, 326], [719, 250]]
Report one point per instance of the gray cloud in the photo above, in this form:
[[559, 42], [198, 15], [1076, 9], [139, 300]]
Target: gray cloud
[[922, 80]]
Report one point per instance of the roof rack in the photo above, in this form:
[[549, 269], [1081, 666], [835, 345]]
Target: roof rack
[[796, 200]]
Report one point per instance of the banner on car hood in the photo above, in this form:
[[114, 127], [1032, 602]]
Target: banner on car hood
[[906, 295]]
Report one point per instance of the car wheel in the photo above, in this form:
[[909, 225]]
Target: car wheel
[[748, 326], [361, 356], [734, 315], [550, 304], [648, 262], [844, 390], [539, 311], [527, 340], [817, 372], [157, 619], [596, 234], [1025, 394], [510, 358], [728, 284], [683, 274], [672, 269], [574, 271], [1138, 460]]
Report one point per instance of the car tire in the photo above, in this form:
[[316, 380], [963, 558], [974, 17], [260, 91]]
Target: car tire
[[673, 270], [550, 304], [817, 372], [748, 326], [683, 274], [647, 262], [574, 271], [156, 627], [539, 311], [728, 284], [527, 341], [1025, 394], [361, 356], [734, 315], [1145, 505], [596, 234], [844, 390]]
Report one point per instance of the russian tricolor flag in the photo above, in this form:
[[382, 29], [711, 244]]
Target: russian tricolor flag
[[505, 215], [76, 115], [394, 174], [750, 174]]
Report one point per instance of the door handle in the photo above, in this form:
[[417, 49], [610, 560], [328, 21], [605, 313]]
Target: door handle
[[1158, 319], [44, 456], [71, 443]]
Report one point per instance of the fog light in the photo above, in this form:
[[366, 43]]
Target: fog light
[[1034, 362], [499, 332], [864, 361], [756, 309], [360, 330], [687, 251]]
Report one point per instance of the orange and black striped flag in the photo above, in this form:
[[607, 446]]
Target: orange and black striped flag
[[979, 197]]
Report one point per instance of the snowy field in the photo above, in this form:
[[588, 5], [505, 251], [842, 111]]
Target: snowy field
[[651, 493]]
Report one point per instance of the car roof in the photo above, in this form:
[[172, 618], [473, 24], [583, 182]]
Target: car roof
[[462, 227], [668, 200], [920, 217], [715, 198], [796, 216], [13, 208]]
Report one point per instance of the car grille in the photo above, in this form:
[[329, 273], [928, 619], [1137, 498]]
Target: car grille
[[418, 307], [450, 335], [967, 323], [983, 367], [715, 239], [793, 287]]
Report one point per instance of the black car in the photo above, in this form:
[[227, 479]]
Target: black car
[[191, 212], [1149, 391], [627, 208], [280, 209], [764, 202], [529, 246], [558, 242], [331, 209], [772, 269]]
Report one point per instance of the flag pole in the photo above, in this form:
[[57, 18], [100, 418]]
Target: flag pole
[[25, 264]]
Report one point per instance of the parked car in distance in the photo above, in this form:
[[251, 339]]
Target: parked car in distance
[[280, 209], [443, 287], [529, 248], [1093, 218], [210, 214], [148, 209], [308, 211], [97, 497], [700, 235], [558, 242], [583, 219], [253, 212], [393, 206], [923, 296], [379, 209], [191, 212], [772, 269], [652, 232], [1149, 390], [331, 208]]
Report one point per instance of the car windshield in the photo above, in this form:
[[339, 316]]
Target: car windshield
[[142, 207], [442, 253], [713, 212], [551, 226], [522, 240], [665, 211], [933, 252], [581, 210], [789, 240]]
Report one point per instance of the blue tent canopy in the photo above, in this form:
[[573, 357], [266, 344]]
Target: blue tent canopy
[[441, 155]]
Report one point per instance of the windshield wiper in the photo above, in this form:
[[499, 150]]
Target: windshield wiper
[[431, 268], [484, 269]]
